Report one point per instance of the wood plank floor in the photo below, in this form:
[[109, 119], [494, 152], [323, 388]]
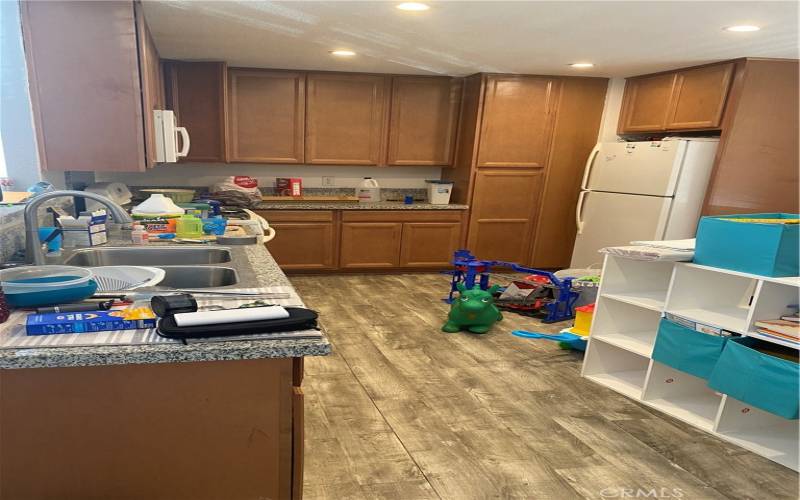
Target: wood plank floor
[[402, 410]]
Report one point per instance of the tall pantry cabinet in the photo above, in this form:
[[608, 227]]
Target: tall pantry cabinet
[[523, 140]]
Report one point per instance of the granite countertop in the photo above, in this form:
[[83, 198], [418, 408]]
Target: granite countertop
[[383, 205], [255, 267]]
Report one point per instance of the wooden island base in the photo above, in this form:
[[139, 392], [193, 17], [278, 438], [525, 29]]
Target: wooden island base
[[196, 430]]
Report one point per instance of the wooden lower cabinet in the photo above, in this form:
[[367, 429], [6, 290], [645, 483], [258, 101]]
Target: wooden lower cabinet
[[370, 244], [326, 240], [429, 244], [201, 430], [298, 441], [504, 213], [303, 239]]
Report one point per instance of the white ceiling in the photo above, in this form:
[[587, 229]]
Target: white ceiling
[[460, 38]]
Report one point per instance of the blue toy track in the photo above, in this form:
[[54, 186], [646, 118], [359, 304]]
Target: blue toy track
[[471, 271]]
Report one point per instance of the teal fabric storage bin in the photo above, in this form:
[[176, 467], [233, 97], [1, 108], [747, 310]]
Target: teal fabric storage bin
[[758, 379], [757, 248], [687, 350]]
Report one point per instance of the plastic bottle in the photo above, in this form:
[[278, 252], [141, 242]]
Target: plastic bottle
[[368, 191], [188, 226], [139, 235]]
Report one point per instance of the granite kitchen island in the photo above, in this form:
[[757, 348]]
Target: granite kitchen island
[[206, 420]]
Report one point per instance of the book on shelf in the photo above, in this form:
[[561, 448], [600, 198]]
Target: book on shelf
[[780, 327]]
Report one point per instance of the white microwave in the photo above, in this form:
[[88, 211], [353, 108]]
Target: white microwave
[[167, 132]]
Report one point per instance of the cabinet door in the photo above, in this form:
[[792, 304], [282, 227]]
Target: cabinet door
[[84, 84], [345, 118], [152, 81], [196, 92], [266, 114], [504, 206], [516, 124], [423, 120], [646, 103], [699, 96], [370, 244], [303, 245], [429, 244]]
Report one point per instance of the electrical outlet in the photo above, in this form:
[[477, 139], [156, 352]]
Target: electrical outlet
[[328, 181]]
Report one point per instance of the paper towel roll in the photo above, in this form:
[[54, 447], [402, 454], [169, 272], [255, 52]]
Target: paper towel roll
[[116, 191], [200, 318]]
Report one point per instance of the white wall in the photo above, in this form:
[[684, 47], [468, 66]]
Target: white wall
[[16, 117], [205, 174], [608, 123]]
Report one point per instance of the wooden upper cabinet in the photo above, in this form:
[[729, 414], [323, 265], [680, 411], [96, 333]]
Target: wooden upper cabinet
[[423, 120], [266, 116], [152, 82], [688, 99], [698, 98], [516, 123], [345, 118], [84, 82], [646, 103], [196, 92]]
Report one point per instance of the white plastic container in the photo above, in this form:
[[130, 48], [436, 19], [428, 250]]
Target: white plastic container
[[368, 191], [139, 235], [439, 192], [158, 204]]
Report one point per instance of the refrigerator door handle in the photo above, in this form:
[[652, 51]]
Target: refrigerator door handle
[[579, 211], [587, 171]]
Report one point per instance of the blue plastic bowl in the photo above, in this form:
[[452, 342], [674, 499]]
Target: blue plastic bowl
[[73, 293]]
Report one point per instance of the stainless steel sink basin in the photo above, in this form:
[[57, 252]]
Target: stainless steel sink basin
[[198, 277], [163, 256]]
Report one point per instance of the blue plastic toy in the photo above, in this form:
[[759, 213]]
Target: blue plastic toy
[[565, 340], [471, 271]]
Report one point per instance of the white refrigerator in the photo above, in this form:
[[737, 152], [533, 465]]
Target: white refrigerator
[[650, 190]]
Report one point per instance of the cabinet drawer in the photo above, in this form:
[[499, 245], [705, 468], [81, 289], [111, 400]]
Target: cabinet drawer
[[402, 216], [296, 215]]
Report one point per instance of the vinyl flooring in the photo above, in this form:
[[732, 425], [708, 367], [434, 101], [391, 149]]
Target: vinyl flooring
[[401, 410]]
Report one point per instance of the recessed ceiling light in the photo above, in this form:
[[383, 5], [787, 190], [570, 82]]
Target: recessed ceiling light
[[742, 28], [343, 53], [416, 6], [582, 65]]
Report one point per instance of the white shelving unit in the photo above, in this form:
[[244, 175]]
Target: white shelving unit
[[633, 297]]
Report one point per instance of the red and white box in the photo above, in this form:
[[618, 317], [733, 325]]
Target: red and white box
[[289, 186]]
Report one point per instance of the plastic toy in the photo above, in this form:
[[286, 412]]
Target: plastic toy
[[473, 311], [470, 271], [583, 319], [565, 339]]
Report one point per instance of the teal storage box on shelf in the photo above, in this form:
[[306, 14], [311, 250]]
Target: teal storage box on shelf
[[756, 378], [766, 249], [686, 349]]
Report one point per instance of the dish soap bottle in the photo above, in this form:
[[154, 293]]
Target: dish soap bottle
[[368, 191]]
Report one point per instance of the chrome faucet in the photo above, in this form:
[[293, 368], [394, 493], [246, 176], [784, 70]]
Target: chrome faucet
[[33, 245]]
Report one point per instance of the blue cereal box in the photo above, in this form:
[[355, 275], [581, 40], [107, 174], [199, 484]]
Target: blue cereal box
[[83, 322]]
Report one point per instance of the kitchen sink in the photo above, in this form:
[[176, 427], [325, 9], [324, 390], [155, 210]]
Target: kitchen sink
[[198, 277], [163, 256]]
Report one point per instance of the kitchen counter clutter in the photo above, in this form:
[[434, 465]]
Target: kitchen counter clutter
[[255, 268], [208, 419]]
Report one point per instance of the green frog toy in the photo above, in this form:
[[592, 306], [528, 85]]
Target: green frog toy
[[474, 310]]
